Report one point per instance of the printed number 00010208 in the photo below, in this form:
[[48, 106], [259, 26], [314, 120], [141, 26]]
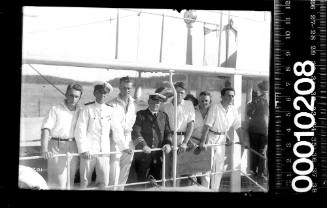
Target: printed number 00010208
[[303, 158]]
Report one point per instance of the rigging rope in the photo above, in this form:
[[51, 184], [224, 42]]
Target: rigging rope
[[46, 79]]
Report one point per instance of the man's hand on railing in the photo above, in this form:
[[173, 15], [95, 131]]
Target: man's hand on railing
[[153, 181], [244, 142], [191, 146], [197, 150], [182, 148], [146, 149], [47, 155], [166, 148], [128, 151], [86, 155], [228, 141], [202, 146], [243, 137]]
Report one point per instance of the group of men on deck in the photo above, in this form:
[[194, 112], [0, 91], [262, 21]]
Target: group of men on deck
[[106, 134]]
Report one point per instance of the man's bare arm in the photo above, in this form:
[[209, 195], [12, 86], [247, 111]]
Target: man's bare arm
[[45, 137], [189, 131]]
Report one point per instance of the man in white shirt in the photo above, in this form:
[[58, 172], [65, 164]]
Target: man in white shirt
[[57, 137], [124, 106], [185, 120], [201, 112], [221, 117], [97, 119]]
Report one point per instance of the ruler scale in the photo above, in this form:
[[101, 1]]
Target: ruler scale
[[300, 147]]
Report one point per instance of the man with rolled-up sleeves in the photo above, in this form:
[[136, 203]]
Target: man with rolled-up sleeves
[[96, 121], [57, 137], [220, 118], [185, 121]]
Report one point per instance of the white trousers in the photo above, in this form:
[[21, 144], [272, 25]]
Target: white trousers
[[169, 163], [102, 168], [120, 165], [217, 162]]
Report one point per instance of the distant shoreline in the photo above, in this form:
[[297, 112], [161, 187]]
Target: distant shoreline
[[37, 79], [147, 82]]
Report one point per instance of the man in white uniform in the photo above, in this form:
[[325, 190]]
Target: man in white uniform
[[57, 137], [96, 121], [185, 120], [221, 117], [124, 106]]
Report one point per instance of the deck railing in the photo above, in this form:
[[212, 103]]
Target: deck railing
[[163, 180]]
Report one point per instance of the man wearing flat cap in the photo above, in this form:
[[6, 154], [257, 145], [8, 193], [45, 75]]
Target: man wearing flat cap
[[258, 113], [185, 119], [93, 127], [151, 130]]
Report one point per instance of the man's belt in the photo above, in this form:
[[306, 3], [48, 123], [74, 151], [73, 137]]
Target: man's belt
[[181, 133], [217, 133], [63, 139], [196, 138]]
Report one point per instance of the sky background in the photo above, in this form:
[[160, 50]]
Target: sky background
[[89, 34]]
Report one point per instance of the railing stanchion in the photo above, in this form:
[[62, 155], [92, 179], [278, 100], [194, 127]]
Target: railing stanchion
[[211, 164], [68, 158], [175, 128], [163, 169], [164, 180]]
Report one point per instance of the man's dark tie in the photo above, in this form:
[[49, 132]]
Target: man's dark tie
[[155, 115]]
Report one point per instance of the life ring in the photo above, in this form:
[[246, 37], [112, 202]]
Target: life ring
[[30, 179]]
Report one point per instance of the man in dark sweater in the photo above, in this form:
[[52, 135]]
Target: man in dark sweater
[[258, 112]]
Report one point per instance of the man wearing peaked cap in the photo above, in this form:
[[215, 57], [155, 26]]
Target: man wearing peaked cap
[[157, 97], [94, 125], [151, 130], [103, 87]]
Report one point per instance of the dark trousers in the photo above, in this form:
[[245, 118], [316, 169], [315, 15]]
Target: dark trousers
[[258, 142], [147, 164]]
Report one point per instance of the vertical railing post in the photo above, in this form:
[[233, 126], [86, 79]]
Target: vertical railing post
[[212, 164], [68, 158], [236, 149], [220, 31], [163, 169], [227, 39], [117, 35], [138, 35], [175, 129], [162, 34], [39, 107]]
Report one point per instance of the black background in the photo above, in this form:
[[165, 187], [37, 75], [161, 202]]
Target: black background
[[11, 30]]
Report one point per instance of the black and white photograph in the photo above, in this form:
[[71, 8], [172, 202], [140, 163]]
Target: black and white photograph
[[132, 99]]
